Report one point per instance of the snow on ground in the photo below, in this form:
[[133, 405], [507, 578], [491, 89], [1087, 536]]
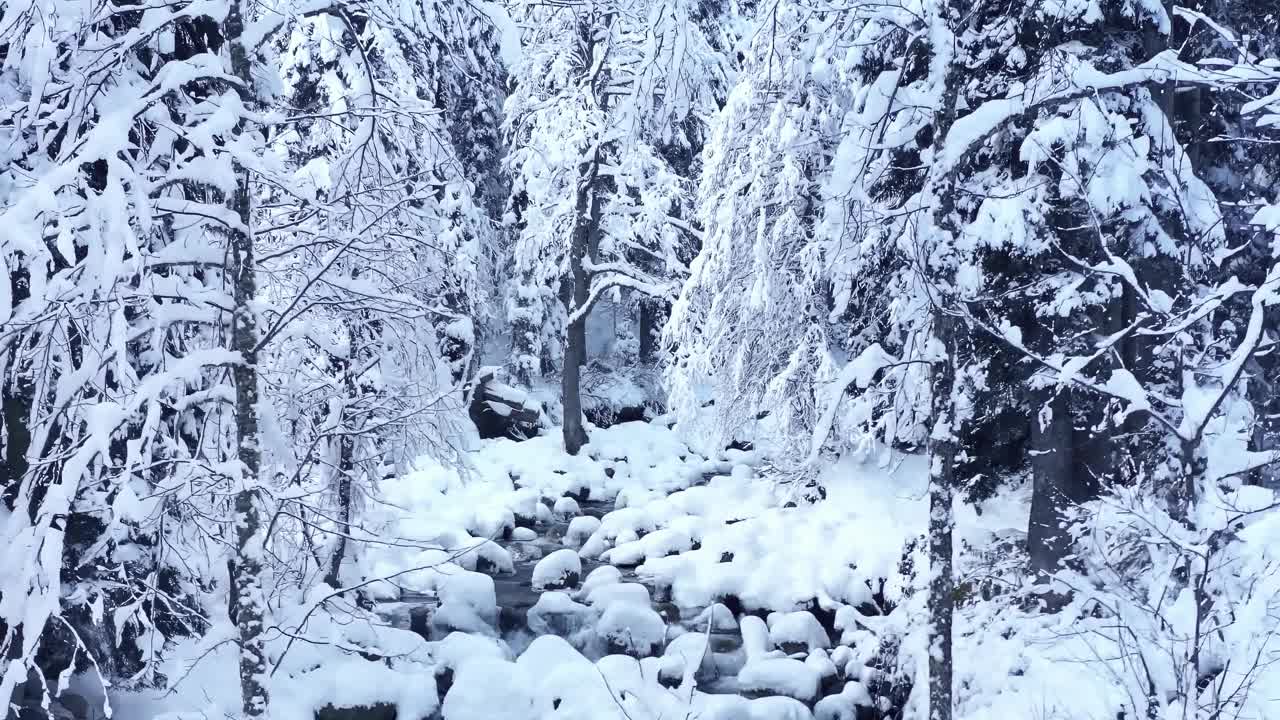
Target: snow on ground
[[732, 537], [457, 509], [814, 593]]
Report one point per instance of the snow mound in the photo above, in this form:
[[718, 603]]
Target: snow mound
[[557, 614], [797, 629], [780, 676], [581, 528], [489, 689], [558, 570], [629, 629], [605, 595], [843, 706]]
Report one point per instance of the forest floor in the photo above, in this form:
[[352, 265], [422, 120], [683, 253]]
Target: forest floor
[[640, 581]]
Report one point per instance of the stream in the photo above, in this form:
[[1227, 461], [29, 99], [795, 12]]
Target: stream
[[516, 595]]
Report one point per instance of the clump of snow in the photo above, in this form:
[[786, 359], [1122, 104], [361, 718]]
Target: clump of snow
[[580, 528], [780, 676], [557, 614], [797, 628], [777, 708], [718, 616], [845, 704], [489, 689], [755, 637], [605, 595], [470, 590], [567, 507], [601, 576], [630, 629], [690, 651], [560, 569]]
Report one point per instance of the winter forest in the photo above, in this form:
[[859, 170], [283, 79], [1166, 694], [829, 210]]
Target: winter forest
[[640, 359]]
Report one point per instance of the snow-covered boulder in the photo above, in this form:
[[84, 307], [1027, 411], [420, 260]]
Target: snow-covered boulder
[[603, 596], [524, 534], [601, 576], [796, 632], [488, 689], [780, 676], [718, 616], [549, 651], [820, 661], [557, 614], [688, 652], [566, 507], [777, 708], [561, 569], [845, 705], [524, 503], [492, 520], [524, 552], [755, 637], [458, 648], [468, 602], [580, 529], [629, 629]]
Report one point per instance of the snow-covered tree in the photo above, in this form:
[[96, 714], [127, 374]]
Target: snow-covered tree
[[600, 89], [193, 195]]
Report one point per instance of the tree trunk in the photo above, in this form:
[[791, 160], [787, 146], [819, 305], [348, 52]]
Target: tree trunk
[[16, 399], [1053, 467], [247, 568], [345, 470], [587, 214], [650, 325], [942, 453]]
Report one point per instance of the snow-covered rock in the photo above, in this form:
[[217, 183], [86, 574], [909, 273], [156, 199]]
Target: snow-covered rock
[[558, 570], [468, 602], [601, 576], [580, 529], [777, 708], [755, 637], [458, 648], [780, 676], [797, 631], [549, 651], [820, 661], [524, 534], [843, 706], [720, 618], [525, 552], [566, 507], [556, 613], [688, 652], [605, 595], [629, 629], [489, 689]]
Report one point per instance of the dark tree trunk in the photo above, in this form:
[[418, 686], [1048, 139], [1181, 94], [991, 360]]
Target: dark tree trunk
[[945, 425], [651, 314], [942, 589], [1053, 468], [247, 578], [345, 471], [585, 234], [16, 398], [346, 468]]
